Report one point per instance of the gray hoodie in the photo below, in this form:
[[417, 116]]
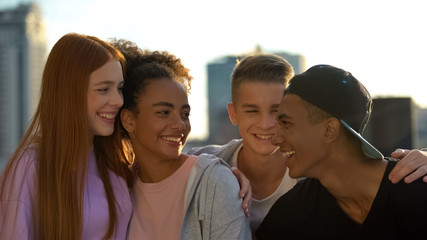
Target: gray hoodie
[[212, 203], [224, 152]]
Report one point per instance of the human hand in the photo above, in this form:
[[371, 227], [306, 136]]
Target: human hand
[[412, 162], [245, 190]]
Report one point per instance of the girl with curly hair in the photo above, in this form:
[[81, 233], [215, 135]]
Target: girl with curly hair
[[174, 195]]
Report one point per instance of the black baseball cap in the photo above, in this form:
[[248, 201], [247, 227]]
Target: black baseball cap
[[337, 92]]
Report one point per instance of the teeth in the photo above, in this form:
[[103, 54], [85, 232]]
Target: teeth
[[172, 139], [264, 137], [107, 115], [288, 153]]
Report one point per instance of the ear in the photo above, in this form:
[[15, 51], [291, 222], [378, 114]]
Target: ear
[[232, 113], [332, 129], [127, 119]]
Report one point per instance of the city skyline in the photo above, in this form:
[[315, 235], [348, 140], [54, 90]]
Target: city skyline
[[380, 42]]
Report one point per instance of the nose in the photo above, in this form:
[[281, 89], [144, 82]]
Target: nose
[[268, 120], [178, 123], [278, 137], [117, 99]]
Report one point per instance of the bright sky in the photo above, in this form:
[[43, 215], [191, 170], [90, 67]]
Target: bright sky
[[382, 42]]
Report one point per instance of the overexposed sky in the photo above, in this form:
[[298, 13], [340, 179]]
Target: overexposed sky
[[383, 43]]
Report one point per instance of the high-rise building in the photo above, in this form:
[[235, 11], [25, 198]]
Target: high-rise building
[[422, 127], [393, 124], [23, 48], [219, 94]]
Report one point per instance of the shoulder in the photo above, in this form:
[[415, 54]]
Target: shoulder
[[216, 172], [214, 165], [20, 181], [23, 169], [406, 202], [407, 191], [223, 173], [207, 160], [217, 150], [27, 158]]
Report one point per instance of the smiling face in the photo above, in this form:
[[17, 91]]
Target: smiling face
[[254, 111], [104, 98], [300, 140], [160, 127]]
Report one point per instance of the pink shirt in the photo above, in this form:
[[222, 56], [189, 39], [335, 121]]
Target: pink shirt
[[159, 207], [16, 206]]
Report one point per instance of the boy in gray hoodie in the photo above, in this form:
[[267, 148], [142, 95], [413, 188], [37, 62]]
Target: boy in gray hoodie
[[257, 85]]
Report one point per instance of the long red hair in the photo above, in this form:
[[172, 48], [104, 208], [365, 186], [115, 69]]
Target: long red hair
[[60, 130]]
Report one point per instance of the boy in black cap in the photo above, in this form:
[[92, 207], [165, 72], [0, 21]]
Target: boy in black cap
[[347, 194]]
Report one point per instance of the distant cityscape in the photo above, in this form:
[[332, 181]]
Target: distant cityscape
[[23, 49], [395, 122]]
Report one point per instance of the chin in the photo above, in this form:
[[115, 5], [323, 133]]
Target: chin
[[295, 174], [174, 155], [104, 133], [267, 151]]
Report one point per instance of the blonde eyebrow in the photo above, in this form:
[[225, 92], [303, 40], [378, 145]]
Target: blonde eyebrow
[[247, 105]]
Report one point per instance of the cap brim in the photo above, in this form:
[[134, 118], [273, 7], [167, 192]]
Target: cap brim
[[369, 150]]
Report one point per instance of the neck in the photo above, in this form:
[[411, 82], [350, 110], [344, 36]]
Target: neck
[[154, 170], [354, 183], [265, 173]]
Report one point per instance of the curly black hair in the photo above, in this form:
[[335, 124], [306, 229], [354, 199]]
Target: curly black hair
[[144, 66]]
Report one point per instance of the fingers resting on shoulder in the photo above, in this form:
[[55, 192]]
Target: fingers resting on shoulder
[[412, 165], [245, 190]]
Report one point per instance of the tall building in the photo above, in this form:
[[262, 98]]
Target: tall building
[[219, 94], [23, 48], [393, 124], [422, 127]]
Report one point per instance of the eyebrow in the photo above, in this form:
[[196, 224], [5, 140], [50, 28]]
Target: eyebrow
[[167, 104], [256, 106], [283, 116], [109, 82], [247, 105]]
